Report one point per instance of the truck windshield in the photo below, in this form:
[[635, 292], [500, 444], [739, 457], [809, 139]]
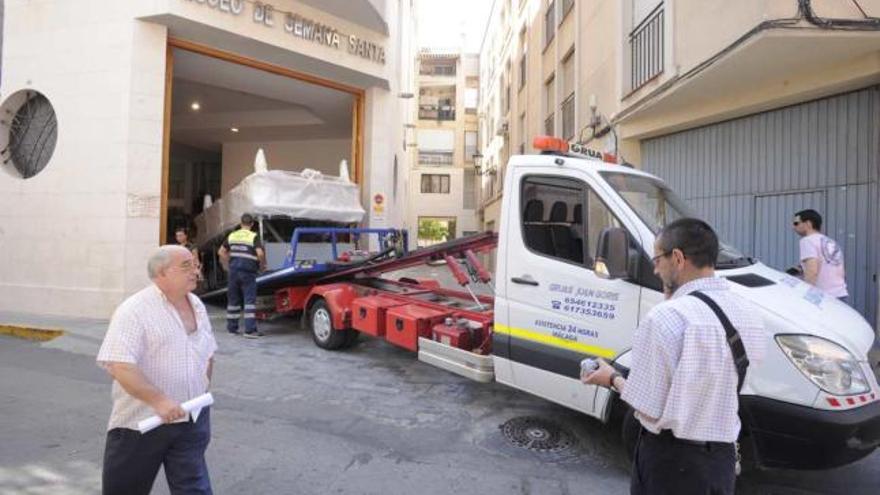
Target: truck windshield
[[657, 205]]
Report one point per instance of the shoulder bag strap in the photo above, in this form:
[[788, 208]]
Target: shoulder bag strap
[[740, 360]]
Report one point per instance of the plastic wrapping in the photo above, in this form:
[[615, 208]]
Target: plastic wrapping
[[307, 195]]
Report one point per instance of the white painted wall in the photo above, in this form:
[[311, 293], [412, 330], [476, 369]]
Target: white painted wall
[[75, 237], [322, 155]]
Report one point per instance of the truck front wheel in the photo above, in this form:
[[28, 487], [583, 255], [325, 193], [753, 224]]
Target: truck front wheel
[[321, 325]]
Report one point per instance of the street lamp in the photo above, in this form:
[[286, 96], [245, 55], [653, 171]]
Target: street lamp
[[478, 161]]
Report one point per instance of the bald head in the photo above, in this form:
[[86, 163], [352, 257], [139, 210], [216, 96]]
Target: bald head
[[163, 258]]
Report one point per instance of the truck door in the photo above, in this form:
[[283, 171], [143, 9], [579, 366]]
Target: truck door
[[558, 310]]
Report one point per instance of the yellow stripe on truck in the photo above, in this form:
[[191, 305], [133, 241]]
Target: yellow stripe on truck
[[543, 338]]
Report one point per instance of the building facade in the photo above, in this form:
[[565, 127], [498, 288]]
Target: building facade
[[715, 97], [120, 116], [442, 200]]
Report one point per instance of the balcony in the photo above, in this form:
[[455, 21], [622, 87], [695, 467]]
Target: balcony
[[646, 49], [751, 62], [435, 112], [435, 158]]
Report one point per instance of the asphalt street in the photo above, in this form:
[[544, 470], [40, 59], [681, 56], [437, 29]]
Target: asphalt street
[[292, 418]]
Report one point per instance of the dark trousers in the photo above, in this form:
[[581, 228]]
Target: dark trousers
[[242, 291], [665, 465], [132, 459]]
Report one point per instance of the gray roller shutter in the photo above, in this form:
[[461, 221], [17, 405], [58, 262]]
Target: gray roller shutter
[[749, 175]]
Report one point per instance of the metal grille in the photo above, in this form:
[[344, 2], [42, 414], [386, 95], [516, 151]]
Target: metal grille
[[537, 434], [646, 48], [33, 133], [748, 177], [568, 117]]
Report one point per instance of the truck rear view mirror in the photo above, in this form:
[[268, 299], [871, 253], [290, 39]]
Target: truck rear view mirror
[[612, 253]]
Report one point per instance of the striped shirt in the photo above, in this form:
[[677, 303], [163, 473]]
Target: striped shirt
[[147, 331], [683, 377]]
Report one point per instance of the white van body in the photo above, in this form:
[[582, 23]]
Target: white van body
[[552, 309]]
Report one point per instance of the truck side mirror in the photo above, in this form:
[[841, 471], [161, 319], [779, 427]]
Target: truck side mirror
[[612, 254]]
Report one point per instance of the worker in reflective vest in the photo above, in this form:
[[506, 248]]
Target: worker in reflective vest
[[243, 257]]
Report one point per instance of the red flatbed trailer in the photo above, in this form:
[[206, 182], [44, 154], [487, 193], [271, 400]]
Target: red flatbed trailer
[[404, 312]]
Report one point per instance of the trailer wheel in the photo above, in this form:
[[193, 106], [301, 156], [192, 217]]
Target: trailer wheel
[[321, 324]]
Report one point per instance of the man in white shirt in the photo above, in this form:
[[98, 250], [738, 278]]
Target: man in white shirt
[[821, 257], [159, 350], [683, 385]]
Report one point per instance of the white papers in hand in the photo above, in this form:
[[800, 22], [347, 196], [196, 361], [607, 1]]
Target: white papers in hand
[[193, 406]]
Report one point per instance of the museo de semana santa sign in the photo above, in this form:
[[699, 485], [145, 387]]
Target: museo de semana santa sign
[[301, 27]]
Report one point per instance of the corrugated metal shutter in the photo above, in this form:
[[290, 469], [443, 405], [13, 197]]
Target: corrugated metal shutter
[[750, 175]]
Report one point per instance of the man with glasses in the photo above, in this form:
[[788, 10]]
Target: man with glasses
[[159, 349], [689, 355], [821, 257]]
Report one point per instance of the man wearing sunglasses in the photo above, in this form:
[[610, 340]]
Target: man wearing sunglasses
[[690, 355], [821, 257]]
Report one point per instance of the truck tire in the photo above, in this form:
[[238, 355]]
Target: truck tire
[[629, 433], [321, 325]]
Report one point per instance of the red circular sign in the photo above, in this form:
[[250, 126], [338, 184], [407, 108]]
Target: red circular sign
[[378, 199]]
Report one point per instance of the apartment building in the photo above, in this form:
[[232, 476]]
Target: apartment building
[[442, 199], [751, 110]]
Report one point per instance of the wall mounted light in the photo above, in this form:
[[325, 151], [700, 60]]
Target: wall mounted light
[[195, 106], [233, 129]]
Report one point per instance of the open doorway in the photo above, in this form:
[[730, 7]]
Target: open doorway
[[221, 113], [435, 230]]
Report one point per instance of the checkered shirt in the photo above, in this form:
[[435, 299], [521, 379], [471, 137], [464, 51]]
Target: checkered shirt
[[683, 377], [147, 331]]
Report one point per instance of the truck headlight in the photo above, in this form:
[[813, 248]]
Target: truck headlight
[[831, 367]]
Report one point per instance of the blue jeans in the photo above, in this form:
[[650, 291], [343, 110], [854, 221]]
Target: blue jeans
[[242, 287], [132, 459]]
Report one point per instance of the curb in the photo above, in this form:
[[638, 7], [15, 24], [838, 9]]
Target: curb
[[30, 333]]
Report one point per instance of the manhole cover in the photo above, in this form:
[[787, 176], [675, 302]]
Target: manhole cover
[[537, 434]]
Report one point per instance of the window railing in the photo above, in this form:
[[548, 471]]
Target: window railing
[[549, 128], [646, 48], [435, 113], [435, 158], [568, 117], [550, 23]]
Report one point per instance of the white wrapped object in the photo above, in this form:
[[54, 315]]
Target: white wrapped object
[[343, 171], [306, 195], [193, 406], [260, 163]]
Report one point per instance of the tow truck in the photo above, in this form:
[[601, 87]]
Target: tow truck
[[573, 279]]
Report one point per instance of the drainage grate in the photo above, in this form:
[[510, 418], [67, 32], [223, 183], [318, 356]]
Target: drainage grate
[[537, 434]]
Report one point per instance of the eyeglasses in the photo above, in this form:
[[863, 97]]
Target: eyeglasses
[[655, 259]]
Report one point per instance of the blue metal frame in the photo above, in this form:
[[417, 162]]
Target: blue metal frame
[[334, 232]]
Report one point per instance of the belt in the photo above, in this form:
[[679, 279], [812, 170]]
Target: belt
[[667, 436]]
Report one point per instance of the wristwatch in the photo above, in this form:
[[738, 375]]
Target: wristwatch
[[614, 375]]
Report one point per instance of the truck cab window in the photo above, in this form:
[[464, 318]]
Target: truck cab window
[[552, 217]]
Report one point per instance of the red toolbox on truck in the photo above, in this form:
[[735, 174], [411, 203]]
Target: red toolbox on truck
[[453, 335], [405, 324], [368, 314]]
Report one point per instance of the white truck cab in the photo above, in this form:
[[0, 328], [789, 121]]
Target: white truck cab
[[813, 402]]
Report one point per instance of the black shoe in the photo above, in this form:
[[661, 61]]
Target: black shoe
[[233, 332], [253, 335]]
